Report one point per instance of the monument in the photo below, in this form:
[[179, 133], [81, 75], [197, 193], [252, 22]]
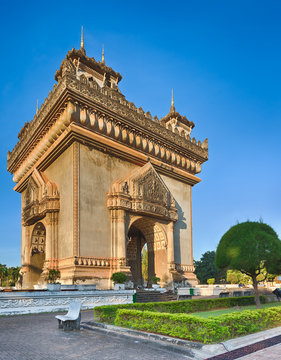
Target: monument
[[99, 179]]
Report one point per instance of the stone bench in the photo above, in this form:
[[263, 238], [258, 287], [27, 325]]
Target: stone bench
[[72, 319], [224, 294], [248, 292], [277, 293]]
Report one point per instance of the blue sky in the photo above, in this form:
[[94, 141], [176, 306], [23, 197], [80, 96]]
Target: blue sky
[[222, 58]]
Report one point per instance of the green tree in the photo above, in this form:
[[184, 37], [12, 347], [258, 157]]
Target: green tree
[[3, 273], [205, 268], [13, 275], [236, 277], [252, 248]]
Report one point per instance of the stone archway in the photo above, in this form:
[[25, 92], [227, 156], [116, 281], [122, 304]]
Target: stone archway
[[141, 203], [38, 245], [144, 230]]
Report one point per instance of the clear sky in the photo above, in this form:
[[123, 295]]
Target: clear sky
[[222, 58]]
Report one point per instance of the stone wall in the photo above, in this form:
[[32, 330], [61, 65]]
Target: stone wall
[[15, 303]]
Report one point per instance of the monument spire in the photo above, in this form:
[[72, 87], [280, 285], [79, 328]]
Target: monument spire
[[82, 40], [37, 109], [172, 108], [102, 58]]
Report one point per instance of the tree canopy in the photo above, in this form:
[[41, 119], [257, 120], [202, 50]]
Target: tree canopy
[[205, 268], [252, 248], [8, 275]]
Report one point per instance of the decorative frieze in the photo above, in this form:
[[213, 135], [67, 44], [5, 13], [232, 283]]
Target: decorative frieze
[[184, 268], [46, 301], [86, 261]]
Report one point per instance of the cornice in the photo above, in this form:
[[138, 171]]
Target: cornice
[[115, 103], [91, 106]]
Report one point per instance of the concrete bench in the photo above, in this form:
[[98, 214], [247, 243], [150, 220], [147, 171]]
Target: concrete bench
[[277, 293], [248, 292], [72, 319]]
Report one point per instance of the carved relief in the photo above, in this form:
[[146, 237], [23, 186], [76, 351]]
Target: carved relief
[[148, 187], [143, 191], [31, 194], [38, 239], [41, 197]]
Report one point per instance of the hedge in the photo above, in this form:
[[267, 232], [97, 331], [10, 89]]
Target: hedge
[[194, 328], [107, 313]]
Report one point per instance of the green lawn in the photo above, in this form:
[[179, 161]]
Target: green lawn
[[206, 314]]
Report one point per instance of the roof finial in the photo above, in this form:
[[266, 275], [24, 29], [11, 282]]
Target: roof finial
[[102, 58], [172, 108], [82, 40], [37, 109]]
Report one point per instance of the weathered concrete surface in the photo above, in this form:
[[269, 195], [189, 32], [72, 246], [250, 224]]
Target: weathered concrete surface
[[193, 349], [37, 337]]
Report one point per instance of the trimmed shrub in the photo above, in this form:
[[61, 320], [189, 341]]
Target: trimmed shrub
[[107, 313], [182, 326], [194, 328], [119, 278]]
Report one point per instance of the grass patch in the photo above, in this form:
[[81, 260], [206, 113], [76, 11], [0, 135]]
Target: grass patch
[[204, 320], [218, 312], [195, 328]]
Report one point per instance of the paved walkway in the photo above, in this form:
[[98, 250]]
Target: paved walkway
[[34, 337], [37, 337]]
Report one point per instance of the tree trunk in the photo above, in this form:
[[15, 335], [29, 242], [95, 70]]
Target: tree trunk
[[257, 298]]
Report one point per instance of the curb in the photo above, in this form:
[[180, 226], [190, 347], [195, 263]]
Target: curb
[[156, 341], [188, 348]]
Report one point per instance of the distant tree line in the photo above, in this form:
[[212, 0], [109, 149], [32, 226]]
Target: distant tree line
[[9, 275], [205, 269]]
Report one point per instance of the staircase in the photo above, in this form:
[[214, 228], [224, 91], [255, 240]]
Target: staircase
[[153, 296]]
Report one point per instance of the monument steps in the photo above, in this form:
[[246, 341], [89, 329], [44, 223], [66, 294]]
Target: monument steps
[[153, 296]]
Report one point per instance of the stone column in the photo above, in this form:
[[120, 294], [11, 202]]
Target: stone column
[[170, 248], [25, 245], [121, 235], [26, 256], [49, 240], [56, 222]]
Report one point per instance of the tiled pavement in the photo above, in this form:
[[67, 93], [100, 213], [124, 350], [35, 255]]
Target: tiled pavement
[[271, 353], [37, 337]]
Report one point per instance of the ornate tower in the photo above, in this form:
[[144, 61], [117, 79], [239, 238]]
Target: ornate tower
[[99, 179]]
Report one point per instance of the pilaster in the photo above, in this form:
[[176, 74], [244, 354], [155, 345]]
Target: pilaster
[[76, 178]]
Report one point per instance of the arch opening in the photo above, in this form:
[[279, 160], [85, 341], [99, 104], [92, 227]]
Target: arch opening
[[147, 234], [38, 244]]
